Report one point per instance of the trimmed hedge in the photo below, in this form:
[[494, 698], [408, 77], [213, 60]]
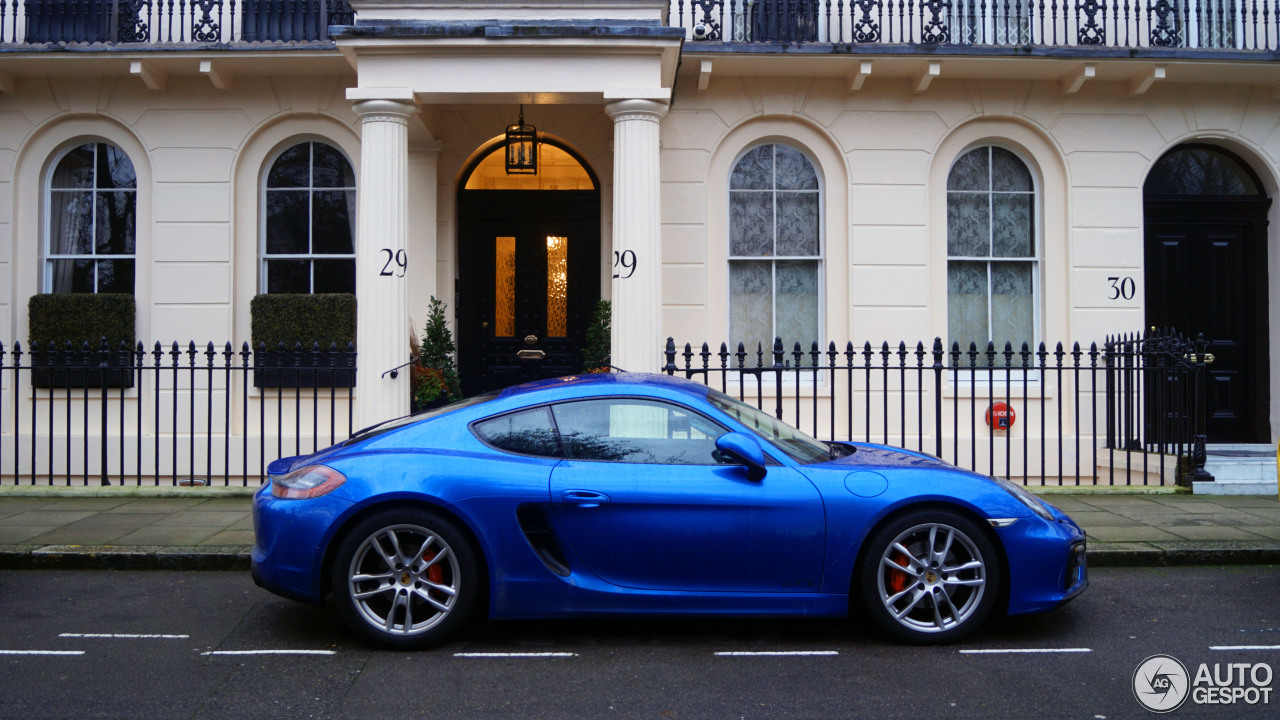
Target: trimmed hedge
[[81, 318], [305, 319]]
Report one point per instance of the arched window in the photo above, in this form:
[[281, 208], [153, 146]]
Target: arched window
[[775, 248], [90, 241], [1203, 171], [308, 243], [992, 254]]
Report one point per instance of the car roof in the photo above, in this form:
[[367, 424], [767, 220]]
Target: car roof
[[622, 382]]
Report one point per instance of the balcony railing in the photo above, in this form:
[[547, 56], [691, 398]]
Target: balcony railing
[[1176, 24], [141, 22]]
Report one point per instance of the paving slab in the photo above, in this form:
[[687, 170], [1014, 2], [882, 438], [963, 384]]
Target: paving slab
[[1141, 533], [198, 518], [1217, 532], [1222, 519]]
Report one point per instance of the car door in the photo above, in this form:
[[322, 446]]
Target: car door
[[645, 505]]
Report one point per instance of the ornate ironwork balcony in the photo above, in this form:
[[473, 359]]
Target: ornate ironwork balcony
[[169, 21], [1246, 25]]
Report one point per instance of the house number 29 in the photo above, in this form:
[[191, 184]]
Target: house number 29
[[399, 258], [1122, 288], [624, 262]]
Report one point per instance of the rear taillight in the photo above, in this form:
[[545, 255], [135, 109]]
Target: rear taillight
[[307, 482]]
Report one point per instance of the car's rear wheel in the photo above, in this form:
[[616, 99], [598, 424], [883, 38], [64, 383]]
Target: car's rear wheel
[[405, 578], [930, 576]]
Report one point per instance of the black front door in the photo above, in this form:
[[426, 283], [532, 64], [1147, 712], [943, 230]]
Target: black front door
[[529, 276], [1206, 272]]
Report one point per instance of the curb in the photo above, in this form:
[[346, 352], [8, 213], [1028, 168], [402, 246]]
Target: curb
[[236, 557], [124, 557], [1182, 553]]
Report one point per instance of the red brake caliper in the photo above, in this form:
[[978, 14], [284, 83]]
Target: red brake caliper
[[435, 573], [898, 580]]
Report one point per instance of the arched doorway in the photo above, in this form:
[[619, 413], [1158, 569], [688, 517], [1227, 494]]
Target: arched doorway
[[528, 267], [1206, 272]]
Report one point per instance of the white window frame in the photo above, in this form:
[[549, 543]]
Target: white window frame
[[263, 193], [46, 272], [774, 259], [1036, 265]]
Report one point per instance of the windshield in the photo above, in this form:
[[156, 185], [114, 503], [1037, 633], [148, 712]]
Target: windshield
[[390, 425], [800, 447]]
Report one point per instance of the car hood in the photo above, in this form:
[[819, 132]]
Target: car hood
[[872, 455]]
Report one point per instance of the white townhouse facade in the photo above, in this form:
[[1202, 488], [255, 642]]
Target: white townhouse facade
[[720, 170]]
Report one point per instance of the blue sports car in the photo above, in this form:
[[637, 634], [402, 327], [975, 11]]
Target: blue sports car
[[646, 494]]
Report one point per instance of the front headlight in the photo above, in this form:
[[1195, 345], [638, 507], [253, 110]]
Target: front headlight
[[1031, 501], [307, 482]]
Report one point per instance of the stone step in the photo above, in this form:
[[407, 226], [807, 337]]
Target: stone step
[[1240, 470]]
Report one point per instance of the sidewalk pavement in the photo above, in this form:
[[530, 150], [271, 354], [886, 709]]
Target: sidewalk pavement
[[212, 528]]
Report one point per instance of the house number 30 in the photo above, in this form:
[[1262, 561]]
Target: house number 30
[[1122, 288], [399, 258]]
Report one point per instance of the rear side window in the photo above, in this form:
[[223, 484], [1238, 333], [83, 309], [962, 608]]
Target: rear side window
[[528, 432], [636, 431]]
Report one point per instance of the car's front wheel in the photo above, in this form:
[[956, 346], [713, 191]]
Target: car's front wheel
[[405, 578], [930, 576]]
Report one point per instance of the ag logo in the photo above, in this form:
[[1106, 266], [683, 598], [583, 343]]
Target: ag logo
[[1161, 683]]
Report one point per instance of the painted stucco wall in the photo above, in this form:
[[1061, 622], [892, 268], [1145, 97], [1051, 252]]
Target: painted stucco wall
[[884, 153]]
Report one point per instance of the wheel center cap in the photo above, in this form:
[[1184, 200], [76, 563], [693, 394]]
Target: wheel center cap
[[405, 579], [930, 577]]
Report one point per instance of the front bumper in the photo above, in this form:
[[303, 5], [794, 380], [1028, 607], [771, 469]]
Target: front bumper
[[290, 539], [1047, 566]]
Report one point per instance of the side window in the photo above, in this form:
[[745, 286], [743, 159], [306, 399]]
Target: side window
[[636, 431], [92, 196], [529, 432], [310, 201]]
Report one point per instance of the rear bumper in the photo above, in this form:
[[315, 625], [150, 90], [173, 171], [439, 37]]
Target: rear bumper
[[290, 539]]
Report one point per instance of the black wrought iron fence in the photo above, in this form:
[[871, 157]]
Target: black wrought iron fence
[[1130, 411], [169, 415], [170, 21], [1215, 24]]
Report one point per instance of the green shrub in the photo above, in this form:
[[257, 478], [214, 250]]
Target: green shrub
[[595, 353], [305, 319], [81, 318], [434, 380]]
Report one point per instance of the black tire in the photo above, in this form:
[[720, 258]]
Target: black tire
[[922, 597], [405, 579]]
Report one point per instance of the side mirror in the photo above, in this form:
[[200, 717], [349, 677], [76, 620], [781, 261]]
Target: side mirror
[[742, 449]]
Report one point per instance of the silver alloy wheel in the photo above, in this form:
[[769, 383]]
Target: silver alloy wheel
[[404, 580], [931, 578]]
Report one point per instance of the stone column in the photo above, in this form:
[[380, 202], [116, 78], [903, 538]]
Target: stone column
[[637, 340], [382, 304]]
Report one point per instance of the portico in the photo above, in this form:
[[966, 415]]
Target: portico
[[417, 62]]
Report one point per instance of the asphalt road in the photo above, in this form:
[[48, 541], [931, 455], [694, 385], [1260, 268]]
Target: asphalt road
[[89, 644]]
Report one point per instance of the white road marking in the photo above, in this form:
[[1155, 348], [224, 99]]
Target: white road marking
[[41, 652], [269, 652], [1010, 651], [124, 636], [1244, 647], [778, 653], [515, 655]]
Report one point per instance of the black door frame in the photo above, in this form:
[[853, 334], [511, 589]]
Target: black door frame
[[483, 214]]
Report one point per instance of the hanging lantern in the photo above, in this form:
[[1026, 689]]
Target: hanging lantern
[[522, 148]]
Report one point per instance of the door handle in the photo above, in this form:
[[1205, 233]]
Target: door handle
[[584, 498]]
